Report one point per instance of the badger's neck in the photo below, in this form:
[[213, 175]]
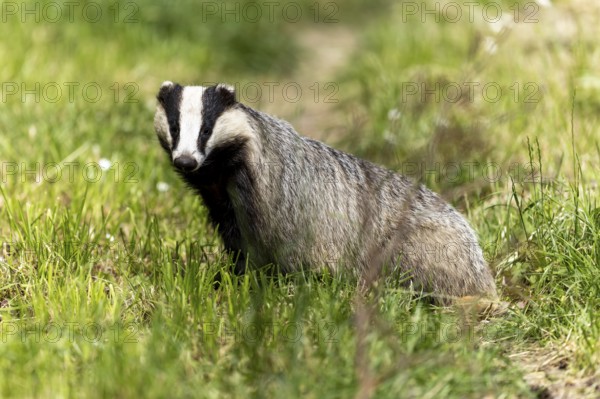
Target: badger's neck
[[242, 201]]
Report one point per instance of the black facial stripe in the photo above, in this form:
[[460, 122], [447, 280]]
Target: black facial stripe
[[215, 101], [170, 98]]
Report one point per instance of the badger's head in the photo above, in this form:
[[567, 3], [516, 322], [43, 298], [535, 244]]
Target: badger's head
[[200, 126]]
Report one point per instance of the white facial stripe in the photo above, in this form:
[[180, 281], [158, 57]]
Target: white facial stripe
[[190, 122], [231, 124], [161, 125]]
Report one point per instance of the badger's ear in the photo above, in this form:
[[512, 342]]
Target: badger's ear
[[226, 93], [166, 88]]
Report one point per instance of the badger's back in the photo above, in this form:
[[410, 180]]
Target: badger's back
[[322, 207]]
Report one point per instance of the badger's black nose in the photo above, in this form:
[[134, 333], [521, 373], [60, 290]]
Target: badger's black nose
[[185, 163]]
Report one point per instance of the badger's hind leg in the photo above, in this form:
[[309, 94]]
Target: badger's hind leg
[[444, 263]]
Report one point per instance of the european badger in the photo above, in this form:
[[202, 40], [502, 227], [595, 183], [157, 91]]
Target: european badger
[[279, 198]]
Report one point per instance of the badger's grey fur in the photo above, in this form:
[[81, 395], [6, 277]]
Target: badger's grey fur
[[279, 198]]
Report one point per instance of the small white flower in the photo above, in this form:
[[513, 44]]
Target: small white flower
[[162, 186], [110, 237], [32, 131], [394, 114], [544, 3], [104, 164], [389, 136]]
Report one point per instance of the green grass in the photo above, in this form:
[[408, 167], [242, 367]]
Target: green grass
[[106, 278]]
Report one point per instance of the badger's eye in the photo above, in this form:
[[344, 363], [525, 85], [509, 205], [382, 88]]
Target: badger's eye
[[205, 132]]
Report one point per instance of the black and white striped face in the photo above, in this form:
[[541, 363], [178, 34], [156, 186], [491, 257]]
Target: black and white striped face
[[192, 122]]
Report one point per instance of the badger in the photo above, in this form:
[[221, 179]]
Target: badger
[[277, 198]]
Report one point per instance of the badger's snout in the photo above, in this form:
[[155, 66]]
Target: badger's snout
[[185, 163]]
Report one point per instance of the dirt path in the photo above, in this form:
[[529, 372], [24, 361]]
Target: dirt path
[[316, 113], [548, 374]]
